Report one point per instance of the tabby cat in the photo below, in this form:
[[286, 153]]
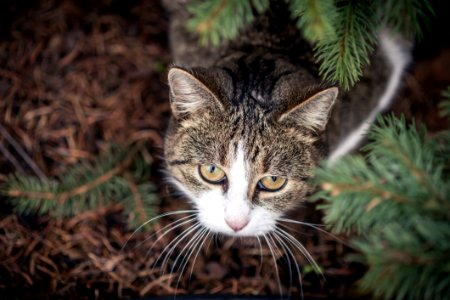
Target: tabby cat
[[251, 119]]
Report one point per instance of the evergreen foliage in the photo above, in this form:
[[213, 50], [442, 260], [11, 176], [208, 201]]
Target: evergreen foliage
[[444, 105], [343, 33], [120, 175], [316, 18], [342, 56], [406, 16], [219, 20], [396, 199]]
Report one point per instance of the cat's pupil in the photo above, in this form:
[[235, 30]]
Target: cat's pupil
[[212, 169], [274, 178]]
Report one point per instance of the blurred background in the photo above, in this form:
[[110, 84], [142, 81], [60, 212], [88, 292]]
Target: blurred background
[[83, 109]]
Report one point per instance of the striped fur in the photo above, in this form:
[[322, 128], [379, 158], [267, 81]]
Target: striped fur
[[234, 113], [256, 107]]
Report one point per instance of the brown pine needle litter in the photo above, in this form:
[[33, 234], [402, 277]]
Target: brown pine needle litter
[[75, 78]]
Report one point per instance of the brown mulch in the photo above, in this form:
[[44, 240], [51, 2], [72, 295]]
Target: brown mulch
[[84, 257], [75, 78], [79, 76]]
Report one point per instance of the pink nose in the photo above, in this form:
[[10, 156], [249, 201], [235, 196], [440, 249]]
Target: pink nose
[[237, 225]]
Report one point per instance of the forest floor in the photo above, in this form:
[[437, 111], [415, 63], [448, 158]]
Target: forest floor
[[79, 76]]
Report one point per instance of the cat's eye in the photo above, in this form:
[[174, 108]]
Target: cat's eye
[[211, 173], [272, 183]]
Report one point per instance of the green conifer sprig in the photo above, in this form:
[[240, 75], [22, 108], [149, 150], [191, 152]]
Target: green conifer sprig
[[316, 18], [406, 16], [343, 33], [115, 176], [141, 202], [408, 261], [342, 56], [221, 20], [396, 199], [444, 105]]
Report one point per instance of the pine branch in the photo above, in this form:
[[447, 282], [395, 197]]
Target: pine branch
[[343, 56], [141, 204], [444, 105], [407, 17], [219, 20], [62, 196], [405, 263], [397, 199], [316, 18], [343, 32], [114, 176], [402, 166]]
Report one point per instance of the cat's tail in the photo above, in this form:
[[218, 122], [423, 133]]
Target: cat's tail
[[397, 52]]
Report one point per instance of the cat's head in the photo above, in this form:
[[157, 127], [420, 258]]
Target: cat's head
[[243, 156]]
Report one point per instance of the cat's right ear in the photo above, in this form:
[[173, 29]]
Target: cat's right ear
[[188, 94], [313, 113]]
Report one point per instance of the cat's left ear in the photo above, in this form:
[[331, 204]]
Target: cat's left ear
[[189, 93], [313, 113]]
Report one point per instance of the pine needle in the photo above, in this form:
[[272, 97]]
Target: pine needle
[[397, 199], [86, 186], [343, 32], [343, 57], [444, 105], [217, 21], [316, 18], [407, 17]]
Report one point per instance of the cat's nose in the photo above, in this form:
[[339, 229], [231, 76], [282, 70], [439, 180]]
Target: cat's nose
[[238, 224]]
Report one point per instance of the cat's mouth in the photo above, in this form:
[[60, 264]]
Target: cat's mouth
[[259, 223]]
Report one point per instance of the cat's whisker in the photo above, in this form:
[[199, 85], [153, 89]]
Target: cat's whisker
[[287, 259], [154, 219], [287, 227], [287, 248], [174, 243], [314, 226], [211, 239], [275, 265], [208, 232], [299, 222], [172, 246], [184, 222], [192, 217], [260, 255], [196, 247], [289, 238], [188, 246], [167, 247]]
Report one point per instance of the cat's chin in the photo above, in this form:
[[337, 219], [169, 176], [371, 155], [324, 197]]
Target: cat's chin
[[256, 227], [241, 233], [211, 215], [248, 235], [250, 231]]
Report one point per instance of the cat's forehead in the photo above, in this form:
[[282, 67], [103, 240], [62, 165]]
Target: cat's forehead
[[265, 147]]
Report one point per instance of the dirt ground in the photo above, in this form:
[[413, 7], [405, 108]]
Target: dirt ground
[[79, 76]]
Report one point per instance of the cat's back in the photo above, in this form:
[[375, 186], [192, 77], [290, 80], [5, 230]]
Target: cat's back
[[272, 32]]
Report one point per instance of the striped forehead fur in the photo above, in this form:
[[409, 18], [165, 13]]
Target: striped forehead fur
[[246, 118]]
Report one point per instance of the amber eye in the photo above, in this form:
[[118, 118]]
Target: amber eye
[[211, 173], [272, 183]]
